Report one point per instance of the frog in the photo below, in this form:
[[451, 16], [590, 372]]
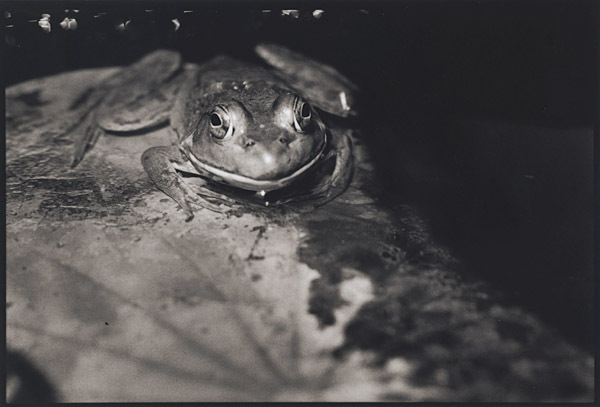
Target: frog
[[258, 126]]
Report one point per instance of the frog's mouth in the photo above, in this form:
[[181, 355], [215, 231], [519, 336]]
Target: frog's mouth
[[240, 181]]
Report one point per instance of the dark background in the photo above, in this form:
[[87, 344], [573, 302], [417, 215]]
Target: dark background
[[479, 113]]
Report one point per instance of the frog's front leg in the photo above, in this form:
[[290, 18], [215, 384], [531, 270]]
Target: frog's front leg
[[160, 163], [344, 166], [342, 174]]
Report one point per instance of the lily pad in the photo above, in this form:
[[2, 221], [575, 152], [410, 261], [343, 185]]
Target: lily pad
[[112, 297]]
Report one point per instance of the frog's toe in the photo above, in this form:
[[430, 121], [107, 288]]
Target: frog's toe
[[187, 211], [193, 197], [85, 140], [186, 197]]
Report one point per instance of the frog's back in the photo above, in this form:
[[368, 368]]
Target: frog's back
[[223, 73]]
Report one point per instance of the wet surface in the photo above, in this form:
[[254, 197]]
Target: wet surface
[[353, 301]]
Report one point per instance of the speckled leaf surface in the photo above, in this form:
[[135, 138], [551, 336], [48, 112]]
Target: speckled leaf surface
[[114, 298]]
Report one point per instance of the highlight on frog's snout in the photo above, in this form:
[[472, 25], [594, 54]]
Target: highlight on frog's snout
[[267, 158]]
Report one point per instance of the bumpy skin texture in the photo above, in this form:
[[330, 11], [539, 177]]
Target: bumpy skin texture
[[235, 123]]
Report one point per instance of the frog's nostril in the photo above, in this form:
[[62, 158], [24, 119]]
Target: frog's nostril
[[284, 140], [250, 144]]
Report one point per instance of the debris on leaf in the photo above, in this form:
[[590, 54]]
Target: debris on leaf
[[68, 24], [318, 13], [123, 26], [291, 13], [44, 23]]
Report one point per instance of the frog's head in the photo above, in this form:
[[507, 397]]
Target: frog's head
[[256, 136]]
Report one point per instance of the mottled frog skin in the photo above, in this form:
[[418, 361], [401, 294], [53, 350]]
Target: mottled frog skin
[[235, 123]]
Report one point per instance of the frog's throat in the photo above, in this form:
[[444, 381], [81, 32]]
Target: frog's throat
[[252, 184]]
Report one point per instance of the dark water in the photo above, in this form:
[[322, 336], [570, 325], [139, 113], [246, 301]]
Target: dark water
[[512, 197]]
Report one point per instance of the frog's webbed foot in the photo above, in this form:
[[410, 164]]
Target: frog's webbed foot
[[342, 173], [90, 134], [322, 85], [160, 164], [338, 181]]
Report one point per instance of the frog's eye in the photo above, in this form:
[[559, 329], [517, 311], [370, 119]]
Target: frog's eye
[[302, 115], [220, 123]]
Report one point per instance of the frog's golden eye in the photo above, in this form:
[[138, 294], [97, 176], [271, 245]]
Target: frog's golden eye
[[302, 115], [220, 123]]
